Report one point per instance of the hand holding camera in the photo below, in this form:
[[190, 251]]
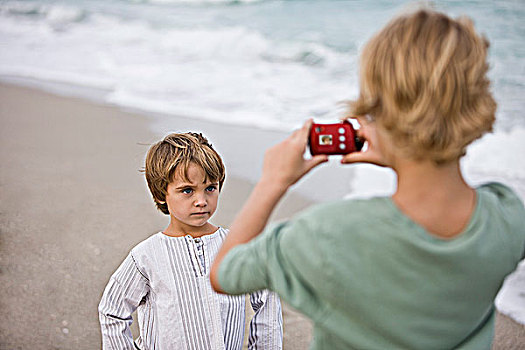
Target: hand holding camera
[[284, 163], [343, 139], [373, 153]]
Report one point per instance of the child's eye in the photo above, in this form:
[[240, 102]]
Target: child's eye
[[211, 188], [187, 190]]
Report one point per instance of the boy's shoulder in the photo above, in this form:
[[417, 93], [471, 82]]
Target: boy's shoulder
[[497, 198], [501, 192], [146, 245]]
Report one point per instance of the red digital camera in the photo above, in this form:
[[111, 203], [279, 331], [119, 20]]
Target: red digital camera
[[338, 138]]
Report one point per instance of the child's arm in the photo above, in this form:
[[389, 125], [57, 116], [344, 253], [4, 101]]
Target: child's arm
[[284, 164], [266, 327], [123, 294]]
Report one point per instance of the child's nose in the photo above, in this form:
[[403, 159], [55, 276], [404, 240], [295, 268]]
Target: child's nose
[[200, 201]]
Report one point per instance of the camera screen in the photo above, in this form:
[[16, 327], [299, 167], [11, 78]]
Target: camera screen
[[325, 140]]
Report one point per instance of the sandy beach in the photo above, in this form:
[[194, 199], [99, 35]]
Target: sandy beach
[[74, 203]]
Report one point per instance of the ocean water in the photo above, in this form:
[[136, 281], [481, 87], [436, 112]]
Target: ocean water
[[260, 63]]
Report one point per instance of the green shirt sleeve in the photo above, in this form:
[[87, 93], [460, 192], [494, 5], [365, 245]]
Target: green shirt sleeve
[[280, 259]]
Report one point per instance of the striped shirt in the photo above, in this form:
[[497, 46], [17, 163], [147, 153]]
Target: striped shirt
[[166, 279]]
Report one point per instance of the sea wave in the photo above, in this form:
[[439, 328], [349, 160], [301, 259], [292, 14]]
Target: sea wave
[[231, 74], [197, 2], [215, 65], [57, 16]]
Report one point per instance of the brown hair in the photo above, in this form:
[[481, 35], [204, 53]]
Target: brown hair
[[423, 79], [172, 157]]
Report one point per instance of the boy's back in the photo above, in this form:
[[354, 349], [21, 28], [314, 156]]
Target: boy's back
[[387, 283]]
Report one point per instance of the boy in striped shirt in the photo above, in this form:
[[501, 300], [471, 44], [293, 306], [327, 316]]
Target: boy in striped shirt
[[166, 277]]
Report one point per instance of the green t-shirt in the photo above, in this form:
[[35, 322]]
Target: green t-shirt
[[371, 278]]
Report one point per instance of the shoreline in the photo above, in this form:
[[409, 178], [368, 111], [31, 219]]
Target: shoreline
[[241, 146], [74, 203]]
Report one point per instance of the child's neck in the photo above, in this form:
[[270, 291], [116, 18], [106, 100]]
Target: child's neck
[[435, 197], [178, 230]]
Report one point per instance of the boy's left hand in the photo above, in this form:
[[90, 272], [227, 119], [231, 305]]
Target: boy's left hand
[[374, 153], [284, 163]]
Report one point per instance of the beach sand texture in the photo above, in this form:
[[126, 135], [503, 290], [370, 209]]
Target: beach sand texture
[[73, 203]]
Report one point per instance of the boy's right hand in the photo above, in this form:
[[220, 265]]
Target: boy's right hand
[[372, 153], [284, 164]]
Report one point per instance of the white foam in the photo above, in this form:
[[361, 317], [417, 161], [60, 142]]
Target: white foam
[[511, 298], [58, 76], [59, 16], [500, 155], [372, 181], [198, 2]]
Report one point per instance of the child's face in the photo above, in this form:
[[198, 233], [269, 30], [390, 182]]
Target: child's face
[[191, 204]]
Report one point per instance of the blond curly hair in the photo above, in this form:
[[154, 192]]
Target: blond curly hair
[[423, 80]]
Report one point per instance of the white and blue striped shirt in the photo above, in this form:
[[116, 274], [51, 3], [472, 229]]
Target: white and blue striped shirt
[[166, 279]]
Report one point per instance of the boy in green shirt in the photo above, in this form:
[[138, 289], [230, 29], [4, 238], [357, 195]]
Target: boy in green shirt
[[420, 269]]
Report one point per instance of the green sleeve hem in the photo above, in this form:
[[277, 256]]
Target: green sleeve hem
[[222, 276]]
